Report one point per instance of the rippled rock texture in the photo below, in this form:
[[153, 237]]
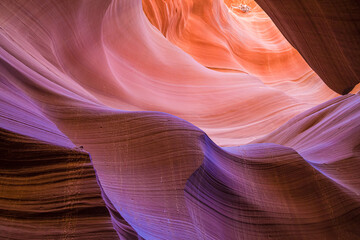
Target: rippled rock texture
[[174, 120], [49, 192]]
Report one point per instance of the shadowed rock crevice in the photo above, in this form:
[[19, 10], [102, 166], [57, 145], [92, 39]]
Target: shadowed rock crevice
[[49, 192], [326, 33]]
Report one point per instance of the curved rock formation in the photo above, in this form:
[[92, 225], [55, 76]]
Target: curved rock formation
[[328, 137], [98, 60], [155, 93], [326, 33], [265, 191], [221, 38]]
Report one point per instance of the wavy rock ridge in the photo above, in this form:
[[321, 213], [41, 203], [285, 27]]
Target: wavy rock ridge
[[161, 94]]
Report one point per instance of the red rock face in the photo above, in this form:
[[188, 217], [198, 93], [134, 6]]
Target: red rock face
[[326, 33], [49, 192], [168, 120]]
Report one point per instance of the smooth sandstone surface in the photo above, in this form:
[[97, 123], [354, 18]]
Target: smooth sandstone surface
[[109, 51], [168, 120]]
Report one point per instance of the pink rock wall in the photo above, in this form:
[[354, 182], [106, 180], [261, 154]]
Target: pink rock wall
[[185, 119]]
